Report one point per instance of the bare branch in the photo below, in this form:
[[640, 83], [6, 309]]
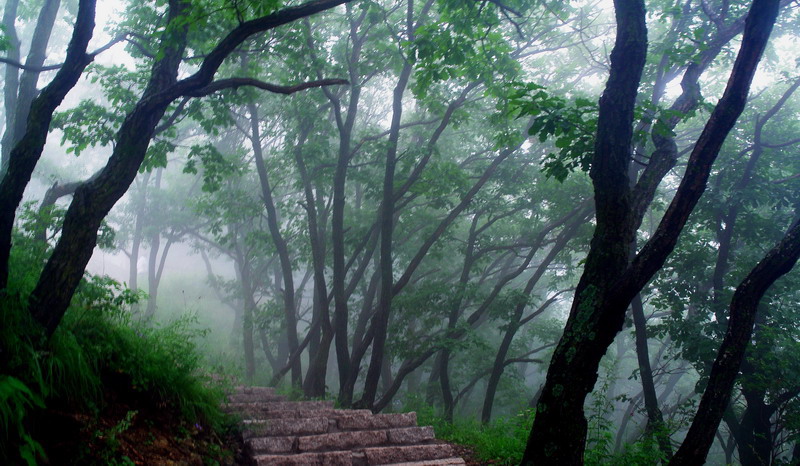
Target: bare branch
[[40, 69], [233, 83]]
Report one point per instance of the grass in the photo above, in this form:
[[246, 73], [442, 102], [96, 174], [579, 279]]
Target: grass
[[502, 441], [99, 354]]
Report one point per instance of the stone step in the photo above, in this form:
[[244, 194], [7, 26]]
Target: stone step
[[328, 458], [402, 454], [426, 455], [263, 416], [440, 462], [242, 389], [261, 408], [254, 398], [289, 426], [339, 440], [327, 422], [376, 421]]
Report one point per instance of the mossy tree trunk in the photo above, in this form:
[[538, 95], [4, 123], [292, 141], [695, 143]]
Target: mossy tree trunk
[[610, 281]]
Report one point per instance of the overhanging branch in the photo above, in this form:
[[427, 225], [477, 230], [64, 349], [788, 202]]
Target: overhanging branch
[[233, 83], [41, 69]]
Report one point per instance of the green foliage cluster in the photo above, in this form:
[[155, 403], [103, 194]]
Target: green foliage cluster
[[98, 340], [572, 123], [5, 44]]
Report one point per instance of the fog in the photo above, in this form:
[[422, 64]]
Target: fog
[[407, 205]]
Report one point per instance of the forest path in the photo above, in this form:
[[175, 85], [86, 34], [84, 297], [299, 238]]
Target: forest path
[[305, 433]]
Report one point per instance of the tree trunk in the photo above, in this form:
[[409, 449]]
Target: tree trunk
[[603, 292], [53, 194], [26, 153], [314, 385], [11, 81], [559, 432], [442, 361], [289, 311], [35, 59], [498, 367], [655, 419], [380, 320], [136, 240], [345, 125], [755, 430], [26, 85], [743, 309], [94, 199]]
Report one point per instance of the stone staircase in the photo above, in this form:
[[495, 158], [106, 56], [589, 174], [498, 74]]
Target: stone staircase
[[306, 433]]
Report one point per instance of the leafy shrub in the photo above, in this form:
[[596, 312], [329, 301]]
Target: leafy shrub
[[97, 338]]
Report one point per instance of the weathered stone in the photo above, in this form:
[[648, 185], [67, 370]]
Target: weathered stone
[[341, 440], [271, 444], [331, 458], [409, 435], [440, 462], [253, 398], [406, 453], [309, 433], [272, 427], [330, 413], [256, 390], [376, 421], [279, 409]]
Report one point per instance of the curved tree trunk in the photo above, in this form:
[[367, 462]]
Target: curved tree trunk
[[380, 320], [559, 431], [655, 419], [95, 198], [604, 293], [289, 311], [25, 154], [743, 309]]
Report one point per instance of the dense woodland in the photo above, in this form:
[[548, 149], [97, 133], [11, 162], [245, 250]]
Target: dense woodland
[[580, 215]]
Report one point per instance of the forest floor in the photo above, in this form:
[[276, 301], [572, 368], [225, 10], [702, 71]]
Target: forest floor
[[469, 455], [131, 429]]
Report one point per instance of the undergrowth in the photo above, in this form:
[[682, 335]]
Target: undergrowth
[[503, 440], [98, 343]]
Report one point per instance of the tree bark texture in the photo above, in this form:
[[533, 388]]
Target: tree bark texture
[[743, 309], [603, 294], [25, 154], [558, 435], [289, 310]]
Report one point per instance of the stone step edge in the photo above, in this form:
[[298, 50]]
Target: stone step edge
[[364, 455], [454, 460], [272, 406], [286, 414], [338, 421], [342, 441]]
